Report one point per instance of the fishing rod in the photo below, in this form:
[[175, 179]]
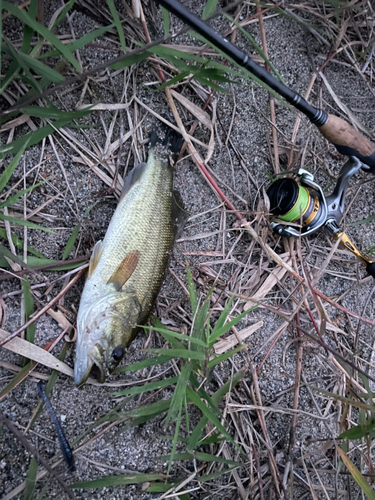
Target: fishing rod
[[299, 205], [344, 137]]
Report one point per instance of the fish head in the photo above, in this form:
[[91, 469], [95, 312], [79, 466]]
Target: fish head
[[104, 331]]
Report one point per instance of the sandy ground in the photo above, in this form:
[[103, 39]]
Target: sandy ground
[[245, 109]]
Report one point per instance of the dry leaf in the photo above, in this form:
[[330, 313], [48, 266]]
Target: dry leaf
[[231, 341]]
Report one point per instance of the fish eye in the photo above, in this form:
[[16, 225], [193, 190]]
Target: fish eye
[[117, 353]]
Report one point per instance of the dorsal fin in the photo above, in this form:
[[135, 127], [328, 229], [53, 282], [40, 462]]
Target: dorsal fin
[[132, 178], [95, 257], [124, 270]]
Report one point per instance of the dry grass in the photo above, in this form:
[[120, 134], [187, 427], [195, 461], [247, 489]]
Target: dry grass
[[277, 275]]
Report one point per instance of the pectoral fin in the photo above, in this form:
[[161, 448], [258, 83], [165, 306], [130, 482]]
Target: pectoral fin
[[95, 257], [125, 270]]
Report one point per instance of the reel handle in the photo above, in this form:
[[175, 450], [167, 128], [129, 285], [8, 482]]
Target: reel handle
[[348, 141], [347, 243]]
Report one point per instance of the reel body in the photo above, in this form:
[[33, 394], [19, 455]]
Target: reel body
[[304, 204]]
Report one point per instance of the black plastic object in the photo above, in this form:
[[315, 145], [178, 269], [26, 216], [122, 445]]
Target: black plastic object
[[367, 160], [64, 445], [283, 195], [370, 268]]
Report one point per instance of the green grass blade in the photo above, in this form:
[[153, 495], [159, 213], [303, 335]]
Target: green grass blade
[[71, 241], [159, 384], [29, 309], [175, 438], [203, 457], [17, 379], [363, 221], [21, 60], [19, 243], [223, 316], [10, 75], [179, 353], [110, 481], [12, 199], [166, 21], [27, 62], [7, 253], [163, 487], [179, 394], [359, 431], [130, 61], [38, 261], [6, 175], [209, 8], [22, 222], [28, 32], [202, 393], [118, 24], [192, 291], [63, 13], [152, 409], [349, 401], [210, 84], [357, 476], [174, 80], [158, 325], [199, 331], [31, 479], [215, 475], [54, 113], [224, 356], [81, 42], [170, 333], [208, 414], [256, 46], [245, 73], [31, 138], [1, 28], [73, 236], [216, 398], [42, 30], [220, 331], [158, 360]]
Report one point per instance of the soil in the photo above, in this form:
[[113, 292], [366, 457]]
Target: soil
[[244, 110]]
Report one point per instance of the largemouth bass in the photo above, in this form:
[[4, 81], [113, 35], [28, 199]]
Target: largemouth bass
[[127, 268]]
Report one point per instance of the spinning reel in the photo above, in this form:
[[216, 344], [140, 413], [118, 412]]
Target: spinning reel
[[304, 203]]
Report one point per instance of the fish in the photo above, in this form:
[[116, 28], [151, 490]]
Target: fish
[[127, 268], [64, 445]]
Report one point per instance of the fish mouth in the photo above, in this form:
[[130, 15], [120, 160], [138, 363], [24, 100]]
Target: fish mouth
[[91, 364]]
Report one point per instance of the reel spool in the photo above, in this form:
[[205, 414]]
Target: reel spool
[[303, 204]]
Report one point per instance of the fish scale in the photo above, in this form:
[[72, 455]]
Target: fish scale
[[135, 249]]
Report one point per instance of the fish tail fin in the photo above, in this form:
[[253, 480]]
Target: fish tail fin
[[166, 138]]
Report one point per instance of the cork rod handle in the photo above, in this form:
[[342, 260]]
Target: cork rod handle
[[348, 141]]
